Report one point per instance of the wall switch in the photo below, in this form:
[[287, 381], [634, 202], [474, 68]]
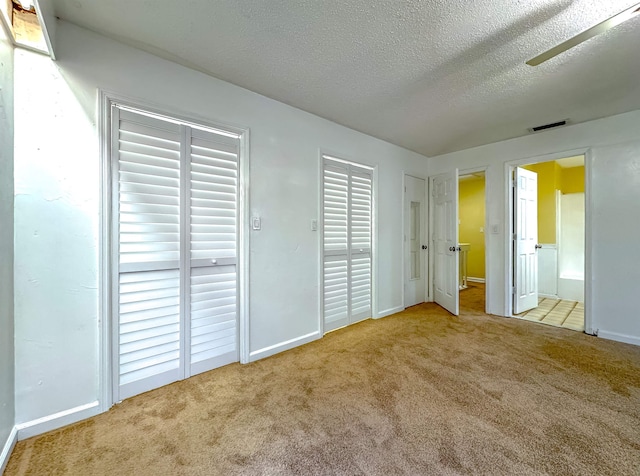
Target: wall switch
[[314, 225], [256, 223]]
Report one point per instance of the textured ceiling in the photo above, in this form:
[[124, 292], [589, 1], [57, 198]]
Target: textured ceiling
[[432, 76]]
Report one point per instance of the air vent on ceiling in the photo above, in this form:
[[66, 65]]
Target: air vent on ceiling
[[549, 126]]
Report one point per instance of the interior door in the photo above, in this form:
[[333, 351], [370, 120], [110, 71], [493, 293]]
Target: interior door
[[525, 262], [445, 241], [414, 241]]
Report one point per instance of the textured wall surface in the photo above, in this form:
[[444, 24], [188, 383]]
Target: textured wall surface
[[6, 239], [57, 187]]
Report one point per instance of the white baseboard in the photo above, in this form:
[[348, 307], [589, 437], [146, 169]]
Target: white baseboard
[[550, 296], [388, 312], [7, 449], [627, 339], [475, 280], [282, 346], [57, 420]]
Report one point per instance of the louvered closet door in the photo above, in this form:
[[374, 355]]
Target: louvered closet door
[[175, 211], [213, 255], [360, 192], [147, 171], [347, 225], [335, 244]]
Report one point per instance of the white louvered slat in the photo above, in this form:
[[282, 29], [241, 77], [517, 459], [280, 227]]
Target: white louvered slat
[[214, 191], [175, 193], [149, 326], [213, 317], [347, 239]]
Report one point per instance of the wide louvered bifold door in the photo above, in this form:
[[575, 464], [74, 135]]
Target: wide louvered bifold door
[[174, 208], [347, 226]]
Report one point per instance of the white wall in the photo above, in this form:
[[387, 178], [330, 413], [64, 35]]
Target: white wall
[[57, 206], [613, 173], [6, 241]]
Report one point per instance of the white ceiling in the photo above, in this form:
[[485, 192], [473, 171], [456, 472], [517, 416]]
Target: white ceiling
[[570, 162], [433, 76]]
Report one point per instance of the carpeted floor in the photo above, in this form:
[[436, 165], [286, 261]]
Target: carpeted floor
[[420, 392]]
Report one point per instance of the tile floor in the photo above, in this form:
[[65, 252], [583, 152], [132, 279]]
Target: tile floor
[[557, 312]]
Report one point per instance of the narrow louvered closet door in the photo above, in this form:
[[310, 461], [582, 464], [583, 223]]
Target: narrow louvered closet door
[[175, 209], [335, 244], [213, 255], [147, 209], [360, 194], [347, 224]]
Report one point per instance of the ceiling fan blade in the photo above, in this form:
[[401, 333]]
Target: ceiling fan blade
[[585, 35]]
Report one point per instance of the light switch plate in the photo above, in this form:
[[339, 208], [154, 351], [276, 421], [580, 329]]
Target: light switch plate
[[256, 223], [314, 225]]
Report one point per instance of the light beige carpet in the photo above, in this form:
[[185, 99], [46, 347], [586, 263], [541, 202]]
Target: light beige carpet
[[420, 392]]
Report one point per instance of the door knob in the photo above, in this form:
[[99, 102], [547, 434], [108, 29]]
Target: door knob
[[424, 247], [458, 248], [538, 246]]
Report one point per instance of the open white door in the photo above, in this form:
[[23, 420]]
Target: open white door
[[525, 261], [414, 241], [445, 241]]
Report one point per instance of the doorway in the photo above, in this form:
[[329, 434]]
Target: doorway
[[471, 233], [549, 288]]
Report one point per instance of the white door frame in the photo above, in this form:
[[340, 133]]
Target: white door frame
[[589, 325], [105, 239], [426, 215], [487, 249]]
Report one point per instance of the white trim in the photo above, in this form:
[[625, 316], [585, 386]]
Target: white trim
[[282, 346], [320, 241], [57, 420], [105, 380], [390, 311], [7, 449], [244, 231], [48, 40], [476, 280], [589, 250], [627, 339]]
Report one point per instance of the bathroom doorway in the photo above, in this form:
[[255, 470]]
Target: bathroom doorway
[[557, 260]]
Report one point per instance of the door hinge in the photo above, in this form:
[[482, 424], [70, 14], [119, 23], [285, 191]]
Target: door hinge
[[515, 236], [405, 190]]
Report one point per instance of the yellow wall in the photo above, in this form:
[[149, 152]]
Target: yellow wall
[[471, 216], [549, 174], [552, 177], [572, 180]]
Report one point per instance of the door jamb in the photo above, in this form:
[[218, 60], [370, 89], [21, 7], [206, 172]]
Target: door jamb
[[508, 226], [105, 259]]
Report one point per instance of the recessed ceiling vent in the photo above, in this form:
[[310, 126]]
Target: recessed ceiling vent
[[549, 126]]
